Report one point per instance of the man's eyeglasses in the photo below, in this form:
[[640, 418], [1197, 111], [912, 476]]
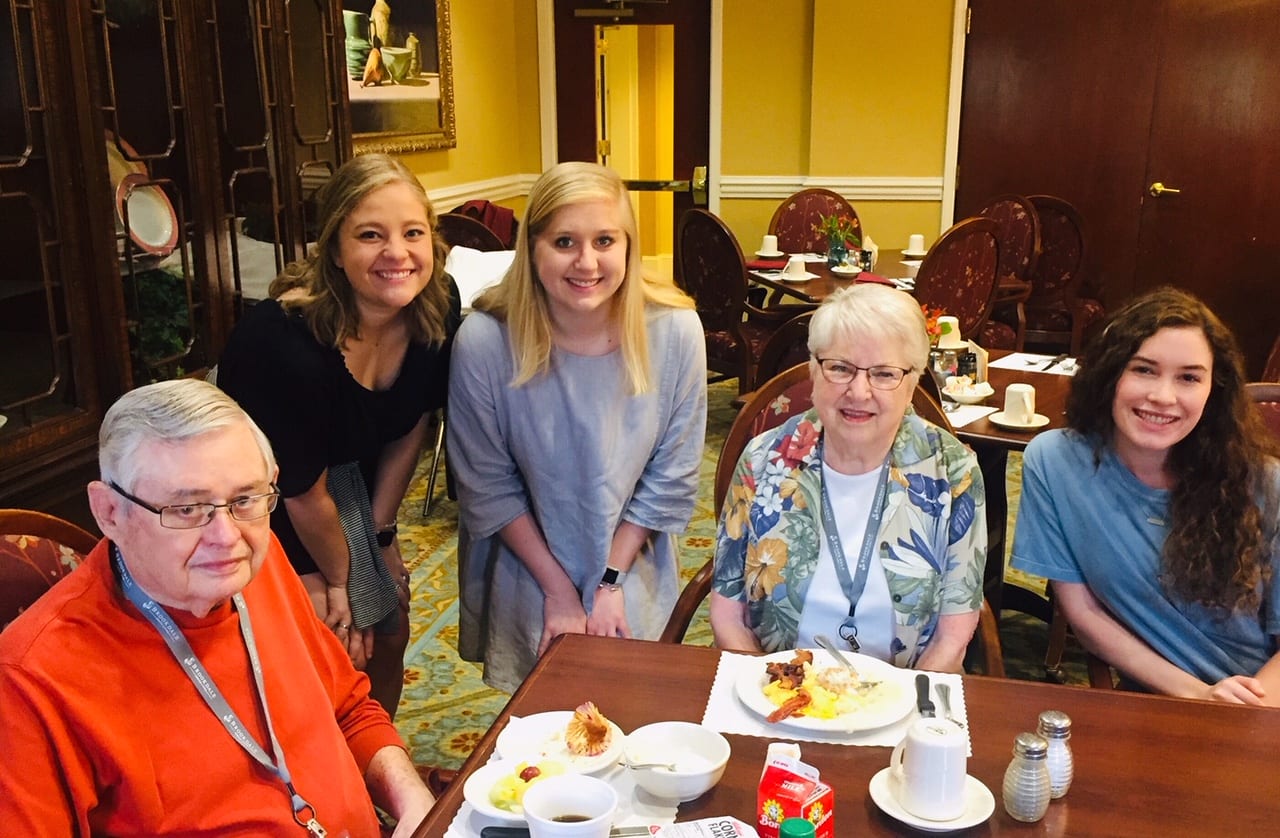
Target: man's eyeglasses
[[188, 516], [881, 377]]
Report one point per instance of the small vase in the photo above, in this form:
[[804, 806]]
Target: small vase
[[837, 251]]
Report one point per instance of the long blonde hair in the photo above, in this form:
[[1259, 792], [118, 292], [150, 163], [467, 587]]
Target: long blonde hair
[[521, 301], [327, 300]]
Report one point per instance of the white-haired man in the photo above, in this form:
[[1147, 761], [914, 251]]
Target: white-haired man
[[170, 683]]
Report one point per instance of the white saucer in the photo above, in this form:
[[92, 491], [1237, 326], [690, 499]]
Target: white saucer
[[978, 804], [914, 254], [764, 254], [804, 277], [847, 270], [1037, 421]]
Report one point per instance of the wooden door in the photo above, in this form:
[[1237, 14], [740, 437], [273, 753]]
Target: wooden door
[[1094, 101], [575, 80], [1214, 131]]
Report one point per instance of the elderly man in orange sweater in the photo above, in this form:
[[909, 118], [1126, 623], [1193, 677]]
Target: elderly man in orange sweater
[[171, 684]]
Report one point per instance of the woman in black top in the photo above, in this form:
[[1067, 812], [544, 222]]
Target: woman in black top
[[341, 369]]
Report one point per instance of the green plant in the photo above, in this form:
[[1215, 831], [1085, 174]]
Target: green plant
[[840, 229]]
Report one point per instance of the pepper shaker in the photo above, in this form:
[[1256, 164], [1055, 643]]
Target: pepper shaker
[[1026, 781], [1055, 727]]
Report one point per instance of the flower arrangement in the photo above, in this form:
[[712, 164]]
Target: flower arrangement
[[931, 315], [840, 230]]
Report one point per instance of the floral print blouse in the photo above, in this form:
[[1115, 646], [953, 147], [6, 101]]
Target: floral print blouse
[[932, 540]]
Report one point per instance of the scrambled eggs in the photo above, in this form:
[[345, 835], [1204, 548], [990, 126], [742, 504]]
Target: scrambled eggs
[[508, 793]]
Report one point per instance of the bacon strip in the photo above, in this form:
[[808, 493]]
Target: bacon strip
[[791, 707]]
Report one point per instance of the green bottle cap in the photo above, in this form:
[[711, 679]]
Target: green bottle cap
[[796, 828]]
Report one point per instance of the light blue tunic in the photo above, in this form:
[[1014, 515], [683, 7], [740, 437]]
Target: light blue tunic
[[573, 448], [1105, 528]]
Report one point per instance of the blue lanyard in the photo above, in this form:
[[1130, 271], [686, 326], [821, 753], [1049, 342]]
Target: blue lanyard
[[852, 585], [203, 681]]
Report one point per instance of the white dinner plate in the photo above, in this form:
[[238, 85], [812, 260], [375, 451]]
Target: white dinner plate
[[914, 254], [541, 736], [898, 701], [769, 254], [979, 803], [1037, 421], [846, 270]]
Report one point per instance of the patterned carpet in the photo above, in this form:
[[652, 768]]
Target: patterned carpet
[[446, 708]]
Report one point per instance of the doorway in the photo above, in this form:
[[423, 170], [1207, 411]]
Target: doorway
[[1096, 102], [638, 78]]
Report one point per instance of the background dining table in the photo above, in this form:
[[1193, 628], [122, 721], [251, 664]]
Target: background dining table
[[1144, 765], [826, 281]]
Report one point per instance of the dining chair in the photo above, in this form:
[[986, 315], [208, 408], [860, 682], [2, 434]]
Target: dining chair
[[1266, 395], [461, 230], [1019, 237], [1058, 312], [495, 217], [795, 221], [1101, 675], [36, 550], [958, 275], [786, 347], [713, 272], [1271, 372]]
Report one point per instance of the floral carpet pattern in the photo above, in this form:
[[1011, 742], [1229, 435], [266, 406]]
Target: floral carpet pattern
[[446, 708]]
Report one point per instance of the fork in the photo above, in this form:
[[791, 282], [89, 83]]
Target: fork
[[944, 698]]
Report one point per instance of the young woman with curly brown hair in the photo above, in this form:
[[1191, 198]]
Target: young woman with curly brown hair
[[1155, 514]]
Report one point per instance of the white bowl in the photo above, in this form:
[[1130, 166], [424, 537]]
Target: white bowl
[[972, 394], [698, 753]]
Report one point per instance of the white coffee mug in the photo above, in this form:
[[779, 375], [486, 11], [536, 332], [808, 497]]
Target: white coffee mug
[[769, 244], [949, 336], [796, 266], [570, 806], [1020, 404], [928, 770], [915, 243]]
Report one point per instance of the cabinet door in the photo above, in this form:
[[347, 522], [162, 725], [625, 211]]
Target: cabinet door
[[59, 350]]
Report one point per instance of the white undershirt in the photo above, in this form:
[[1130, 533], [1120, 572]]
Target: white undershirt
[[825, 604]]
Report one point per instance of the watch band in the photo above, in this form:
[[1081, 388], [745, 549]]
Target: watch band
[[613, 578]]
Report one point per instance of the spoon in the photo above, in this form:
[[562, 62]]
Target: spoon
[[670, 766], [944, 698]]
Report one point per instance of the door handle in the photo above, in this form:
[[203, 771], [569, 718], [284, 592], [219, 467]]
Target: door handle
[[1157, 189], [696, 186]]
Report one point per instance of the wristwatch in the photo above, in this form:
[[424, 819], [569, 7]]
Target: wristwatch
[[613, 578], [387, 534]]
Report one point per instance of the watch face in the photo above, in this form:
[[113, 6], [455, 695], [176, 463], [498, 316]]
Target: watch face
[[385, 537], [610, 576]]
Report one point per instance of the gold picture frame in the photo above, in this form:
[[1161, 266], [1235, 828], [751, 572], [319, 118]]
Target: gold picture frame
[[401, 100]]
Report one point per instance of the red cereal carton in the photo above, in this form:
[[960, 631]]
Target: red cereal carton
[[791, 789]]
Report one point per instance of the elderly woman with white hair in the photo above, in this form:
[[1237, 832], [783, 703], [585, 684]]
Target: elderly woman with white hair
[[857, 519]]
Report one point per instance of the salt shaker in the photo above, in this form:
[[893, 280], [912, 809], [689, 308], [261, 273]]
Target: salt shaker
[[1055, 727], [1026, 780]]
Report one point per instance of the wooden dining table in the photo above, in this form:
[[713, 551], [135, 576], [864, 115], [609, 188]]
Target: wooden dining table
[[826, 281], [1144, 765]]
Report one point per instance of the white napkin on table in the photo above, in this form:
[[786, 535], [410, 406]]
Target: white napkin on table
[[1031, 362], [967, 413], [727, 714]]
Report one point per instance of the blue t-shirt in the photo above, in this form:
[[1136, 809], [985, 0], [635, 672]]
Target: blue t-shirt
[[1105, 528]]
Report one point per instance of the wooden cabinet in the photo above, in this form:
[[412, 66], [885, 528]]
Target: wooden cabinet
[[157, 161]]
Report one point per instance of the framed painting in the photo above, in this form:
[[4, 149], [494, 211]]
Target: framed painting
[[399, 66]]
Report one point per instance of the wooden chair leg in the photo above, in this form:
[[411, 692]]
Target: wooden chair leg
[[435, 465]]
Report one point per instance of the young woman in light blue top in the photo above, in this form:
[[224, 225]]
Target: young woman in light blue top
[[1155, 515]]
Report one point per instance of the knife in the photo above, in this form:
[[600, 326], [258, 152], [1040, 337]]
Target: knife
[[1057, 360], [523, 832], [923, 703]]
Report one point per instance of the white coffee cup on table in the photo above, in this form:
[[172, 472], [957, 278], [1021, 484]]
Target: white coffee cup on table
[[949, 336], [796, 267], [928, 768], [915, 243], [769, 244], [1019, 404], [570, 806]]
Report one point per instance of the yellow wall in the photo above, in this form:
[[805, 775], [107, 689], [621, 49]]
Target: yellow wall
[[495, 71], [833, 88]]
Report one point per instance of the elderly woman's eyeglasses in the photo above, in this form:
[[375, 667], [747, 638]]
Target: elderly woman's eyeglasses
[[881, 377], [188, 516]]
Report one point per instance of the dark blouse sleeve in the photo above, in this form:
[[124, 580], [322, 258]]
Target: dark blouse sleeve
[[285, 380]]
